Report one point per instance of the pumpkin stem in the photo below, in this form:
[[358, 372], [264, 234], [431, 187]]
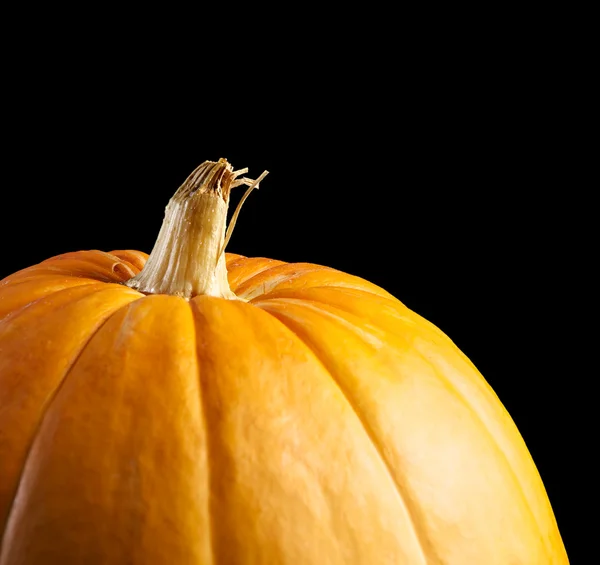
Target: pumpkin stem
[[188, 257], [253, 185]]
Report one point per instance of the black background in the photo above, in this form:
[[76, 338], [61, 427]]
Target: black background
[[434, 177]]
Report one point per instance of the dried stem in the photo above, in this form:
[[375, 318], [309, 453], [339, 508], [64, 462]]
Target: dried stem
[[188, 257]]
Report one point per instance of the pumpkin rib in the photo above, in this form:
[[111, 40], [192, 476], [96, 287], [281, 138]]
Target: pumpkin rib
[[44, 411], [18, 311], [269, 273], [99, 265], [247, 267], [253, 287], [409, 316], [463, 399], [85, 269], [470, 406], [242, 261], [274, 483], [46, 278], [429, 558], [269, 280], [31, 274], [232, 258], [330, 312], [292, 292], [209, 441], [136, 259], [94, 253]]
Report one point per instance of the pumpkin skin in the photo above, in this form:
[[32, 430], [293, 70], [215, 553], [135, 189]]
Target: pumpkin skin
[[320, 422]]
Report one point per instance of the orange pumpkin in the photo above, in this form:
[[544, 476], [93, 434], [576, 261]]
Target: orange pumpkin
[[202, 408]]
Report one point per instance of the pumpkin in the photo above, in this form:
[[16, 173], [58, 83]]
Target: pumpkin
[[201, 407]]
